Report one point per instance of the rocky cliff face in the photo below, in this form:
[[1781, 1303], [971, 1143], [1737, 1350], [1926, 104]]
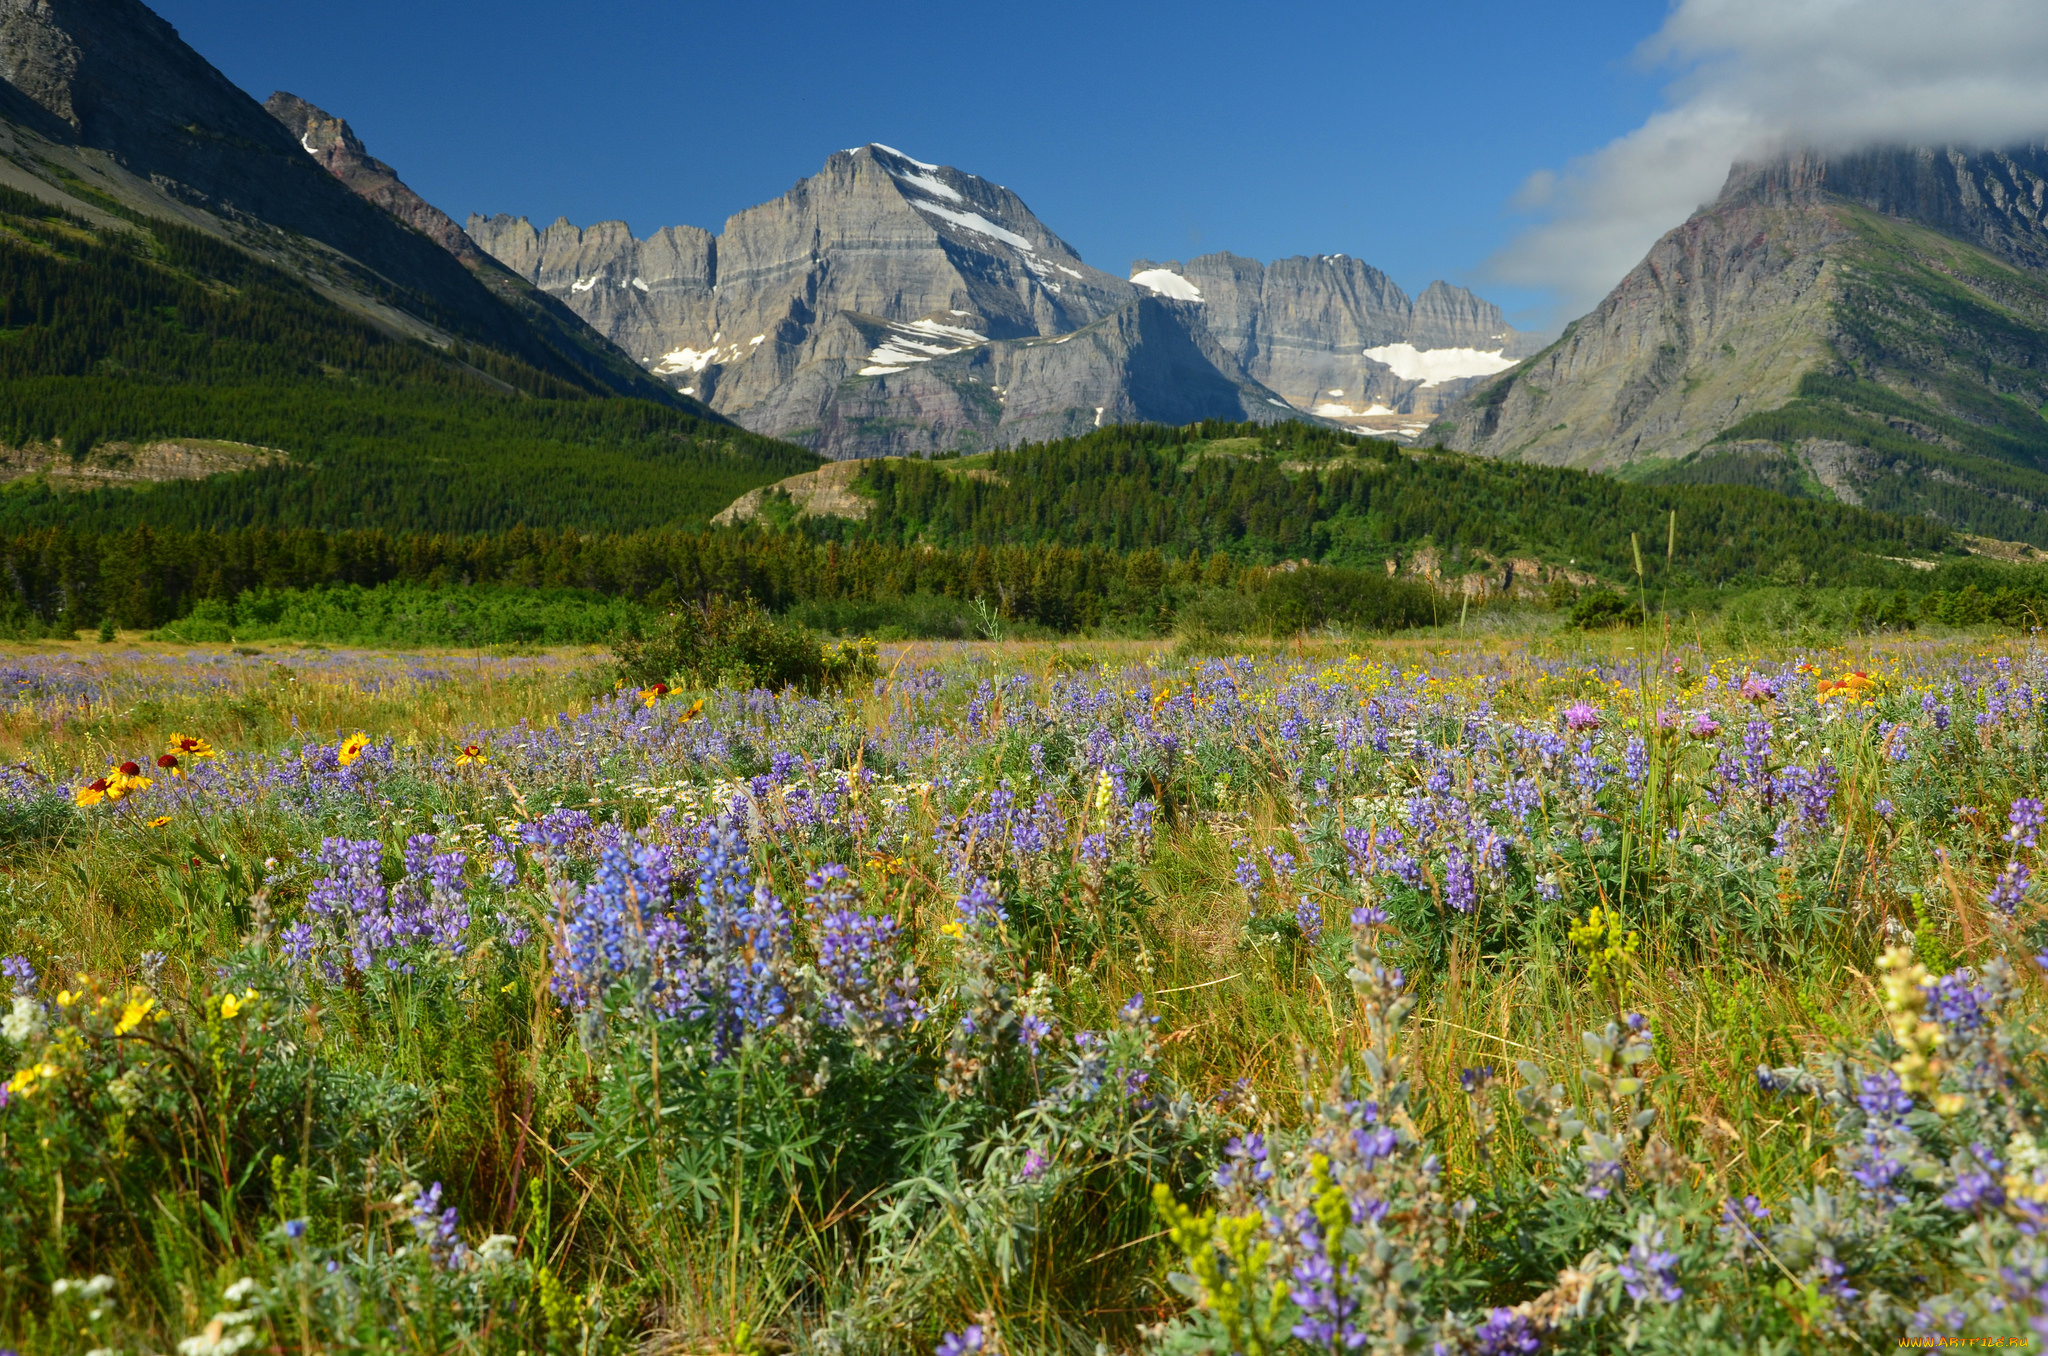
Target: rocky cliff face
[[102, 100], [1869, 327], [1337, 337], [732, 318]]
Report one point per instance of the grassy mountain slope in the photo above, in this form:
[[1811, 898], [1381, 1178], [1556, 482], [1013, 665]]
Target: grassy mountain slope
[[138, 329]]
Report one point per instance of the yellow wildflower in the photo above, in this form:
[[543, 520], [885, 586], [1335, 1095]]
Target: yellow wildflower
[[352, 748], [231, 1005], [696, 710], [187, 746], [651, 696], [93, 793], [139, 1006], [471, 754], [25, 1079], [159, 821]]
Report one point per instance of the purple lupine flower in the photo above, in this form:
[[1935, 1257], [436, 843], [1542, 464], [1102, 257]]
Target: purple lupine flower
[[2026, 818], [1308, 916], [1368, 916], [1033, 1031], [981, 906], [437, 1229], [2010, 889], [1637, 759], [1977, 1187], [1034, 1164], [1459, 890], [1247, 875], [745, 943], [1650, 1271], [960, 1343], [1327, 1310], [1589, 774], [863, 988], [1958, 1005], [19, 973], [1507, 1333]]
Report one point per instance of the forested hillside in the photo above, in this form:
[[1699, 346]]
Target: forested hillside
[[1295, 491], [154, 330]]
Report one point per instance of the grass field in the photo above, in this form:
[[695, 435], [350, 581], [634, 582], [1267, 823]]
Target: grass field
[[1527, 992]]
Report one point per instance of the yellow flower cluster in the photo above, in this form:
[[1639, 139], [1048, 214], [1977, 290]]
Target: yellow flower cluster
[[351, 748], [1601, 943], [233, 1005]]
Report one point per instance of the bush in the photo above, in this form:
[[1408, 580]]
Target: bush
[[736, 644], [1600, 611], [1314, 596]]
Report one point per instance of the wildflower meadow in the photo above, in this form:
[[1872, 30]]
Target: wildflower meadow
[[1560, 993]]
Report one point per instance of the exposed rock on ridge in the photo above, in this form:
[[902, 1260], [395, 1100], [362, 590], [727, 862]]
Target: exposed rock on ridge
[[336, 148]]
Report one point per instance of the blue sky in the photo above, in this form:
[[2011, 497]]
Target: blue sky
[[1399, 134]]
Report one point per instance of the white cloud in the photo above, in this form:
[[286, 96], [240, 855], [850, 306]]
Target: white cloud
[[1752, 77]]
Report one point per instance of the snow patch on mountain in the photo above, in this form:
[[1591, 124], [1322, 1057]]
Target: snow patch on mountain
[[1434, 366], [975, 222], [938, 188], [1167, 283], [919, 341], [908, 159]]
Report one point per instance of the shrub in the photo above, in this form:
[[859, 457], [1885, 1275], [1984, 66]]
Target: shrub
[[737, 644], [1600, 611]]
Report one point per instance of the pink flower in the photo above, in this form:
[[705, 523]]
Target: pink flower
[[1755, 689], [1667, 719], [1703, 726], [1579, 716]]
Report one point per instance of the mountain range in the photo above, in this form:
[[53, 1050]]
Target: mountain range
[[199, 289], [888, 305], [1870, 327]]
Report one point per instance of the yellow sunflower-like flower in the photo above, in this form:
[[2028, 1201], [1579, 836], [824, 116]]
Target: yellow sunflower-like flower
[[126, 779], [471, 754], [653, 696], [696, 710], [189, 746], [93, 792], [159, 821], [352, 748]]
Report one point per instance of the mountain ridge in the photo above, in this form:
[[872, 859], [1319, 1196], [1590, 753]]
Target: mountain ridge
[[766, 320], [1871, 326]]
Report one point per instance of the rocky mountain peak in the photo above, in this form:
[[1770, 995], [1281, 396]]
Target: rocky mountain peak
[[1997, 199], [338, 150]]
